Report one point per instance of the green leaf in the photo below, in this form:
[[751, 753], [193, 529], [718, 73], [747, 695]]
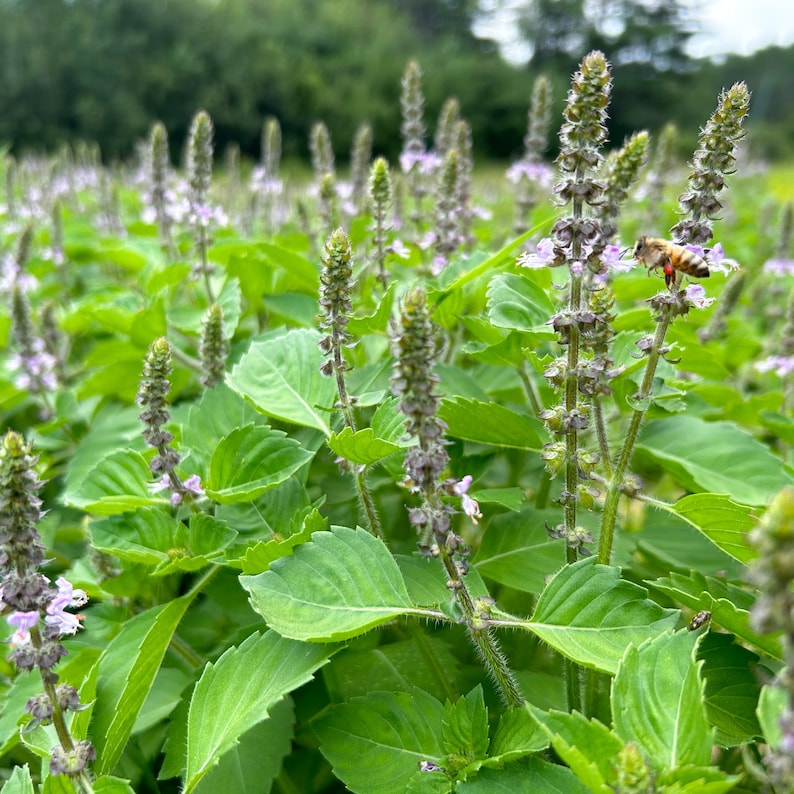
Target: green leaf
[[517, 551], [251, 460], [117, 483], [717, 457], [517, 734], [425, 662], [491, 423], [340, 585], [126, 672], [362, 448], [657, 701], [237, 692], [729, 606], [771, 705], [246, 767], [588, 747], [732, 689], [723, 521], [590, 615], [145, 536], [299, 273], [19, 782], [465, 727], [518, 303], [375, 744], [536, 776], [112, 785], [281, 378]]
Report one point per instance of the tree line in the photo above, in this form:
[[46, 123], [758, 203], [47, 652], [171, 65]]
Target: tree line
[[104, 70]]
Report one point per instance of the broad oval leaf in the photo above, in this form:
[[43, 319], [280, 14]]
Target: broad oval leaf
[[251, 460], [590, 615], [281, 378], [519, 303], [491, 423], [363, 447], [657, 701], [718, 457], [144, 536], [237, 692], [724, 522], [375, 743], [341, 584]]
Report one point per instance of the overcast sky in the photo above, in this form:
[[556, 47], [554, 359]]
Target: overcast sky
[[729, 26]]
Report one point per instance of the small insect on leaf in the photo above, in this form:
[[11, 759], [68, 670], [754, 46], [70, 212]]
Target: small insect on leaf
[[702, 617]]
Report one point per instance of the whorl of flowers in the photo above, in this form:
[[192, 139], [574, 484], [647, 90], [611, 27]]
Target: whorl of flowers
[[213, 348], [446, 131], [412, 104], [621, 172], [578, 237], [322, 151], [199, 158], [380, 191], [360, 158], [714, 157]]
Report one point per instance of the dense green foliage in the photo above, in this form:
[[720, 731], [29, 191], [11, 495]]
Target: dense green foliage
[[243, 424], [100, 70]]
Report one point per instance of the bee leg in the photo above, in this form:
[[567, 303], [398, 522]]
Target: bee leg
[[669, 274]]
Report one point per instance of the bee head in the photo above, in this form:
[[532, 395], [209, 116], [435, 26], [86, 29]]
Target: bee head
[[639, 247]]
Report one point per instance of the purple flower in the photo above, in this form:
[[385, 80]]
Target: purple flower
[[779, 267], [399, 248], [543, 256], [716, 259], [426, 162], [611, 258], [539, 173], [23, 622], [469, 505], [67, 597], [782, 365], [696, 296]]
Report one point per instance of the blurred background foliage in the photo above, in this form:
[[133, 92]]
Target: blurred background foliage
[[104, 70]]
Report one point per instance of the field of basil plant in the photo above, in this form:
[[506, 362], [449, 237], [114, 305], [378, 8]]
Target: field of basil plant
[[416, 480]]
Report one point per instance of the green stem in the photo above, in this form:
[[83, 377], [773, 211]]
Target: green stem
[[368, 503], [482, 636], [609, 516], [601, 434], [432, 660]]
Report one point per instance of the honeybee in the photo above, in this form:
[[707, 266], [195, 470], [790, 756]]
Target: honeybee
[[655, 253], [702, 617]]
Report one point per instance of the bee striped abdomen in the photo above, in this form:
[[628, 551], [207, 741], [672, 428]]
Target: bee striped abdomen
[[656, 253]]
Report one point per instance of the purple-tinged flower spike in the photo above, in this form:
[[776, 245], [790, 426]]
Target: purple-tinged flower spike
[[336, 284], [322, 151], [447, 212], [266, 186], [213, 347], [728, 302], [415, 162], [159, 194], [35, 367], [414, 383], [446, 131], [327, 204], [578, 237], [530, 174], [151, 397], [360, 161], [199, 170], [662, 168], [621, 170], [270, 155], [772, 572], [38, 609], [463, 145], [714, 158], [380, 190]]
